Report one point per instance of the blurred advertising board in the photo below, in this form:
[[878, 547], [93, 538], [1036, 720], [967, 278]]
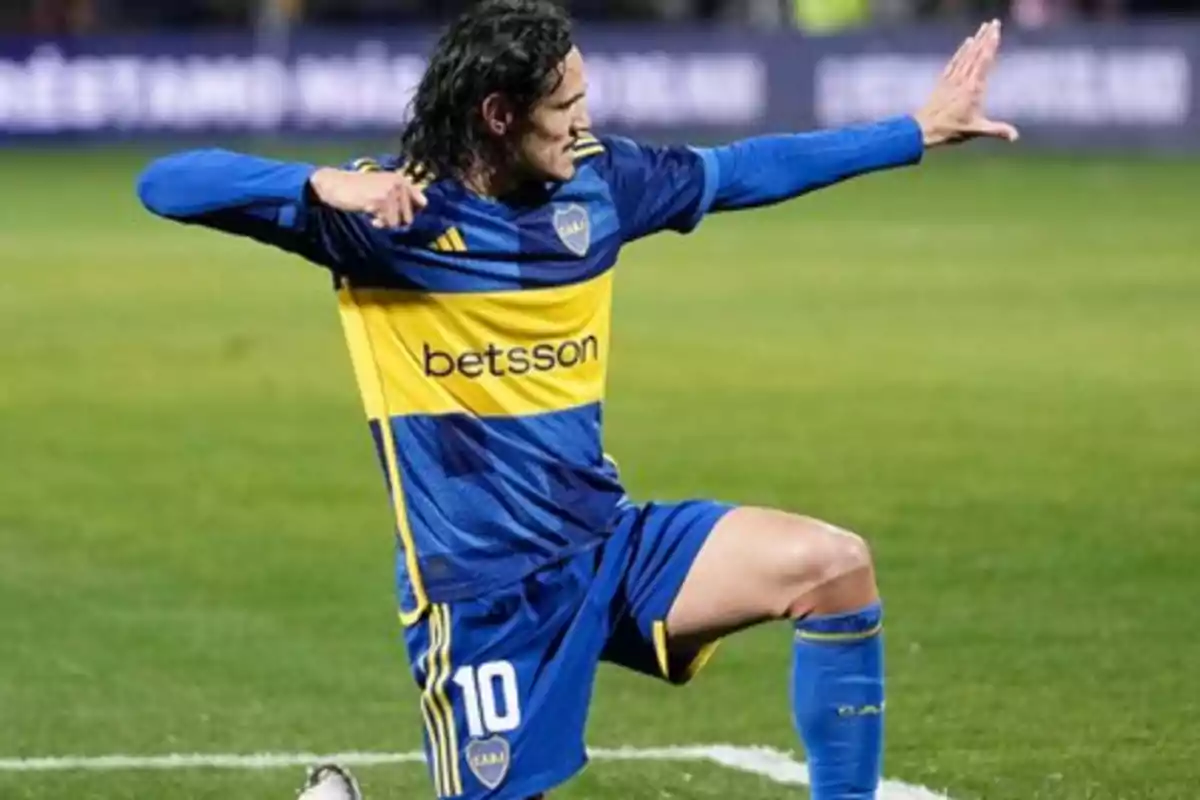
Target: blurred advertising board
[[1124, 87]]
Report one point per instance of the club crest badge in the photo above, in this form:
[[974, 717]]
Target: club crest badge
[[489, 760], [574, 228]]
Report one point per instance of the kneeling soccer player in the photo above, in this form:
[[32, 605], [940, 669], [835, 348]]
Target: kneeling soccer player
[[474, 278]]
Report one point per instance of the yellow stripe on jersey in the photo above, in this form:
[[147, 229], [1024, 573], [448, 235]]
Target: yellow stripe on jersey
[[433, 726], [439, 735], [672, 671], [512, 353], [371, 165], [411, 170], [453, 775], [366, 373], [587, 145], [661, 651], [436, 707], [374, 390]]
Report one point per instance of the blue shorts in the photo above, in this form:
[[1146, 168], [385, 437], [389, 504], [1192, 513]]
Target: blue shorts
[[507, 679]]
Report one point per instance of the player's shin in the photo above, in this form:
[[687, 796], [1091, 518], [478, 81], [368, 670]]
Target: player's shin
[[838, 700]]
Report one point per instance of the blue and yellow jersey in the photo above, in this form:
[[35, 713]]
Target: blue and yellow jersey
[[481, 350], [480, 334], [480, 339]]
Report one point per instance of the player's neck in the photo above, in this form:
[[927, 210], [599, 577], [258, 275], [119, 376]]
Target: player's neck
[[496, 183], [489, 182]]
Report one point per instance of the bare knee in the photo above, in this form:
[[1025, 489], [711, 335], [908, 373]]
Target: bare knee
[[826, 570], [760, 564]]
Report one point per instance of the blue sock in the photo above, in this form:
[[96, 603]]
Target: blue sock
[[837, 701]]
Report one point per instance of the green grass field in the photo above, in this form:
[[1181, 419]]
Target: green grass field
[[990, 367]]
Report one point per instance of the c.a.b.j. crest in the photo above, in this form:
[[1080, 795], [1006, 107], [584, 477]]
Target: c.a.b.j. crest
[[573, 228], [489, 760]]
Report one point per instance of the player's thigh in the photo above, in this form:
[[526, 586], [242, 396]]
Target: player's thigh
[[505, 686], [760, 564]]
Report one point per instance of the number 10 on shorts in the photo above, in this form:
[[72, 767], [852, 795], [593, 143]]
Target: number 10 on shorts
[[490, 697]]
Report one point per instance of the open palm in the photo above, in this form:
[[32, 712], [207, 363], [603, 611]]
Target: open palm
[[954, 111]]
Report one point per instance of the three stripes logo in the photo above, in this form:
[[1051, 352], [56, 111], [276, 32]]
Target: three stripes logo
[[420, 178], [365, 165], [435, 705], [450, 242]]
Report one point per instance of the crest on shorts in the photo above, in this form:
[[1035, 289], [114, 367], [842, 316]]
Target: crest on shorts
[[574, 228], [489, 759]]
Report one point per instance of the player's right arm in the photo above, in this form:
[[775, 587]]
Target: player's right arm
[[337, 218]]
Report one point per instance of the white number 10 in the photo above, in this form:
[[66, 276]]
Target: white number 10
[[479, 697]]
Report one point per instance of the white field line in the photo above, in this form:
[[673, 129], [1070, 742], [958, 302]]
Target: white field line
[[774, 765]]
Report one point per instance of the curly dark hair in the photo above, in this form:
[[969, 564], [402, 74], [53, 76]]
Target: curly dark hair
[[514, 47]]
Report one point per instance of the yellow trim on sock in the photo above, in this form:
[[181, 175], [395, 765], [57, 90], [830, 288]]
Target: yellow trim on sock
[[813, 636]]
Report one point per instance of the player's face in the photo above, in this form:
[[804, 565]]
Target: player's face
[[555, 123]]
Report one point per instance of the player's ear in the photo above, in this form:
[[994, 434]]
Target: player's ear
[[497, 114]]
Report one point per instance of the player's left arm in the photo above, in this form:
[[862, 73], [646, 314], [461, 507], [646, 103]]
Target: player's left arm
[[770, 169], [674, 187]]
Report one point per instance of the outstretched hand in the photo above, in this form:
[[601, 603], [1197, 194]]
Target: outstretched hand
[[954, 112], [390, 198]]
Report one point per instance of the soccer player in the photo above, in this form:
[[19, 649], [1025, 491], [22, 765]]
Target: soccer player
[[473, 273]]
